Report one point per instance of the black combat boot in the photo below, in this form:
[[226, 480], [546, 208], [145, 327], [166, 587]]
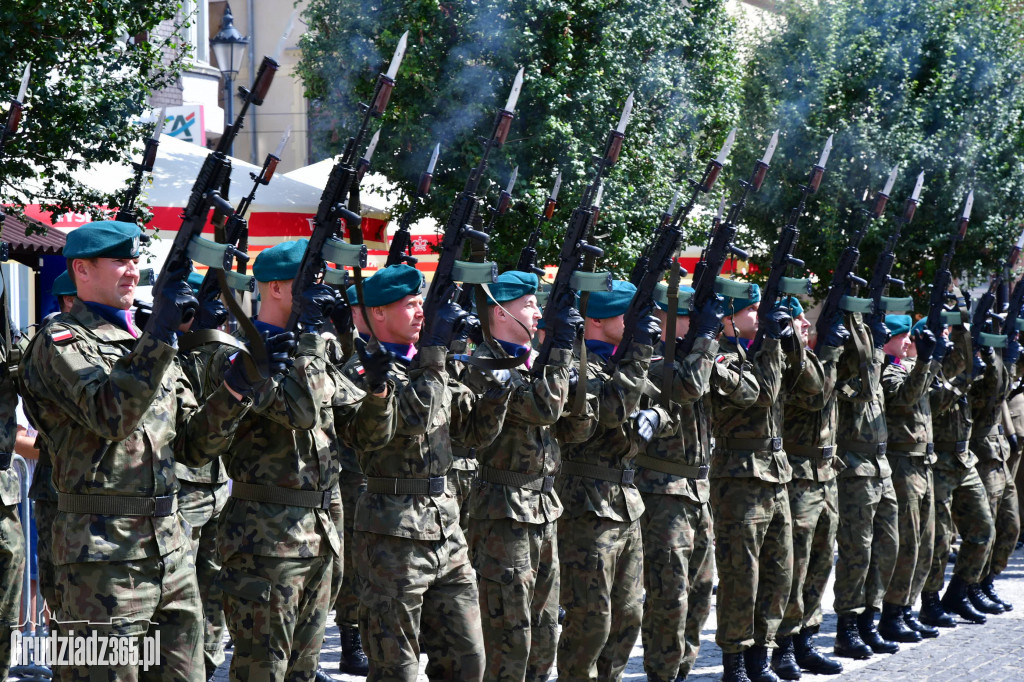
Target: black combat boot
[[848, 641], [735, 668], [322, 675], [892, 627], [932, 612], [809, 658], [784, 659], [980, 600], [758, 670], [869, 633], [353, 660], [989, 588], [926, 631], [955, 601]]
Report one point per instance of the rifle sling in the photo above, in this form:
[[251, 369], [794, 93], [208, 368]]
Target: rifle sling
[[579, 399], [356, 237], [483, 292], [670, 336]]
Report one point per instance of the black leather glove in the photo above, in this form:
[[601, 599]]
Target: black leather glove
[[837, 335], [567, 327], [978, 367], [942, 348], [879, 332], [341, 316], [243, 376], [925, 342], [574, 380], [646, 422], [647, 329], [470, 329], [317, 303], [173, 305], [1011, 353], [375, 367], [779, 325], [708, 319], [212, 312], [450, 318]]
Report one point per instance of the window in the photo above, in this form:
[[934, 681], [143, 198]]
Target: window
[[198, 14]]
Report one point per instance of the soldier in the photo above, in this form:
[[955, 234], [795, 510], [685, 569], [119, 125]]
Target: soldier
[[672, 477], [513, 507], [749, 473], [277, 537], [960, 495], [600, 549], [416, 581], [908, 418], [809, 437], [12, 539], [113, 409]]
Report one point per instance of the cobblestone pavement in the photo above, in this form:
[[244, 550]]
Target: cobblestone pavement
[[994, 651]]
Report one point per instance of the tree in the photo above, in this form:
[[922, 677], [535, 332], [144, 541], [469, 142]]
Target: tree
[[933, 85], [92, 70], [582, 58]]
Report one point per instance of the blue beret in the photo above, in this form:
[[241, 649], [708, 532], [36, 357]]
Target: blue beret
[[513, 284], [898, 324], [920, 325], [104, 239], [792, 305], [734, 305], [280, 262], [604, 304], [684, 301], [63, 286], [195, 280], [350, 293], [391, 284]]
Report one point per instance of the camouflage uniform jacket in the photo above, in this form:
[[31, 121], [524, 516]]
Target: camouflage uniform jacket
[[336, 356], [861, 404], [951, 409], [433, 413], [463, 458], [908, 412], [987, 395], [290, 440], [686, 439], [613, 445], [809, 422], [193, 365], [114, 412], [10, 490]]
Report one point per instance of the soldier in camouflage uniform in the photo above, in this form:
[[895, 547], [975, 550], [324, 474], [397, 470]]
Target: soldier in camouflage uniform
[[960, 495], [114, 411], [990, 445], [809, 437], [417, 584], [513, 508], [911, 447], [12, 539], [672, 477], [749, 474], [599, 542], [277, 536]]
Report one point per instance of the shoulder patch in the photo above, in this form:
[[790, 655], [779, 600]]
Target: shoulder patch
[[359, 370], [720, 358], [61, 335]]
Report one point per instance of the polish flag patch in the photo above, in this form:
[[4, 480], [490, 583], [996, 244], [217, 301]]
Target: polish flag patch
[[64, 335]]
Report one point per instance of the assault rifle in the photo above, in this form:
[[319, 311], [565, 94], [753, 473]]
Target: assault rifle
[[11, 356], [983, 310], [1014, 311], [881, 275], [401, 243], [944, 276], [343, 186], [783, 256], [127, 213], [528, 256], [478, 249]]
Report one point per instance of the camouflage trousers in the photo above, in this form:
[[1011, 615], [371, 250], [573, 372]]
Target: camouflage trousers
[[814, 507], [276, 609], [418, 591], [915, 495], [461, 482], [136, 597], [12, 573], [960, 498], [1002, 497], [602, 586], [345, 595], [517, 570], [868, 538], [678, 577], [45, 513], [754, 554], [201, 505]]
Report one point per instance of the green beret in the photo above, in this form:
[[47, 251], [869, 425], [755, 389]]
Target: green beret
[[920, 325], [280, 262], [604, 304], [511, 285], [391, 284], [898, 324], [734, 305], [195, 280], [683, 308], [63, 286], [104, 239], [350, 293], [792, 305]]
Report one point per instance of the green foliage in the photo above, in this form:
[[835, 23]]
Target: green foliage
[[933, 85], [88, 78], [582, 58]]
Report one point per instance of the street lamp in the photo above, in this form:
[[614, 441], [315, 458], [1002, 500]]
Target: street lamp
[[229, 47]]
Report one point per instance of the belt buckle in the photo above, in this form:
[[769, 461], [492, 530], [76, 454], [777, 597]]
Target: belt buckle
[[929, 449], [325, 502], [548, 485], [437, 485], [702, 472], [163, 506], [828, 451], [882, 447], [776, 444], [627, 476]]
